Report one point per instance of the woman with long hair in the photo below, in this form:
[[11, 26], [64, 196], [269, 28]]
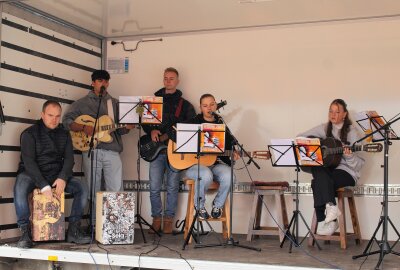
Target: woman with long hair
[[327, 180]]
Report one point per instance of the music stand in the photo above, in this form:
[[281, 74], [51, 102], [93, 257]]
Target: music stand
[[131, 110], [199, 139], [385, 248], [371, 121], [285, 153]]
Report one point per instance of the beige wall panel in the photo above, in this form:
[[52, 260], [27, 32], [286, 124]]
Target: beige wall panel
[[37, 85], [9, 162], [11, 132], [44, 66], [50, 32]]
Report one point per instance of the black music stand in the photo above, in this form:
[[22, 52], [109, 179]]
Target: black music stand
[[384, 246], [131, 111], [231, 241], [191, 139], [296, 155]]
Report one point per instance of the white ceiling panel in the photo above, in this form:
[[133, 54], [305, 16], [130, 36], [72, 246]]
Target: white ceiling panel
[[136, 18]]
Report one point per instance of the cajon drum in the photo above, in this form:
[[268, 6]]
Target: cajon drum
[[115, 217], [47, 218]]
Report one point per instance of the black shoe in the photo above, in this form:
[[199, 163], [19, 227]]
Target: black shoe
[[203, 214], [76, 235], [26, 238], [216, 212]]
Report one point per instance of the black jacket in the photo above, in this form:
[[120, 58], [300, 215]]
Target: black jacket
[[170, 104], [46, 154]]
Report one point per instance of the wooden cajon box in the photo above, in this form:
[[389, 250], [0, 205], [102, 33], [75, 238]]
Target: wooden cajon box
[[47, 218], [115, 217]]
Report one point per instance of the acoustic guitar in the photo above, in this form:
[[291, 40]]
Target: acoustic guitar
[[332, 150], [105, 125], [183, 161]]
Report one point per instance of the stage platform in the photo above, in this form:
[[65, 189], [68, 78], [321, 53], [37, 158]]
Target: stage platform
[[166, 253]]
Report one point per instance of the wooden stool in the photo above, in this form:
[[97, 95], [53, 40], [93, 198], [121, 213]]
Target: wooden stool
[[225, 218], [262, 189], [342, 235]]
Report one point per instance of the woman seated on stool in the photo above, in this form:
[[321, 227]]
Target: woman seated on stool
[[220, 171], [328, 180]]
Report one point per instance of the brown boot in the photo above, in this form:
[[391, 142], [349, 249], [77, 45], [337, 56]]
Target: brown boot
[[167, 225], [156, 225]]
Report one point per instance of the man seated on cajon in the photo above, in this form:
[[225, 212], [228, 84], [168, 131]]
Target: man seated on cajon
[[47, 160]]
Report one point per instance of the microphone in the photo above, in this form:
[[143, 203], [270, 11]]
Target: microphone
[[102, 89], [217, 116]]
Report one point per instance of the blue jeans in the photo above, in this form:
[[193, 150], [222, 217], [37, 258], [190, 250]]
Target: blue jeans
[[158, 168], [25, 185], [220, 173]]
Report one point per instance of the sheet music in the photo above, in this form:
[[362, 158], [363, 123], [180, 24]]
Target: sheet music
[[282, 152], [127, 112], [186, 138]]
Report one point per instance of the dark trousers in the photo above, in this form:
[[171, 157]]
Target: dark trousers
[[324, 185]]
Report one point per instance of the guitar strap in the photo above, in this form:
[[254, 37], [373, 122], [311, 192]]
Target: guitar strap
[[179, 108]]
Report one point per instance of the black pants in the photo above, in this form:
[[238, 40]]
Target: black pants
[[324, 185]]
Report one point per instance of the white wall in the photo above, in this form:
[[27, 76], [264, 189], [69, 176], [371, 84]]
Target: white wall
[[278, 82]]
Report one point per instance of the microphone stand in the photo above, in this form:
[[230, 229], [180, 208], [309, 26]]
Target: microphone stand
[[231, 241], [90, 154], [384, 246]]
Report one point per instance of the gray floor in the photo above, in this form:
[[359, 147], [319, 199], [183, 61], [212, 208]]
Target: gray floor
[[170, 246]]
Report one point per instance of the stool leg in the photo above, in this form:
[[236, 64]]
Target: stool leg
[[342, 221], [226, 222], [189, 211], [354, 219], [253, 214], [314, 226], [280, 204]]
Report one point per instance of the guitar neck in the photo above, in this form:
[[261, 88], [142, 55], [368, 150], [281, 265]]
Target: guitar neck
[[111, 127]]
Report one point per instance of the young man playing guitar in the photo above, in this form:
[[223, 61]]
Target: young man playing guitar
[[175, 109], [220, 171], [106, 155]]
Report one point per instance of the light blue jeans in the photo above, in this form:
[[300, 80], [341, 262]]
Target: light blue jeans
[[104, 162], [220, 173], [158, 169]]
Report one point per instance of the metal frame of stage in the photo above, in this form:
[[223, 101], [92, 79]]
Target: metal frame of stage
[[132, 261]]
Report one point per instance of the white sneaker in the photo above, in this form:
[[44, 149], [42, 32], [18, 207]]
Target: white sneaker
[[332, 213], [327, 228]]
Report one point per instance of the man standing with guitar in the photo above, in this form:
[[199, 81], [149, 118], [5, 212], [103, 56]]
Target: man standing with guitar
[[175, 109], [220, 171], [80, 118], [327, 179]]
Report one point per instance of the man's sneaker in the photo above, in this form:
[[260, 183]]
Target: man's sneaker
[[332, 213], [216, 212], [327, 228], [26, 238], [76, 235], [203, 214]]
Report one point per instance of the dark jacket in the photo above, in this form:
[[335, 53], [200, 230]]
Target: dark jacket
[[46, 154], [170, 104]]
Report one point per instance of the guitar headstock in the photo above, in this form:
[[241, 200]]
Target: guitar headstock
[[221, 104], [261, 154], [372, 147]]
